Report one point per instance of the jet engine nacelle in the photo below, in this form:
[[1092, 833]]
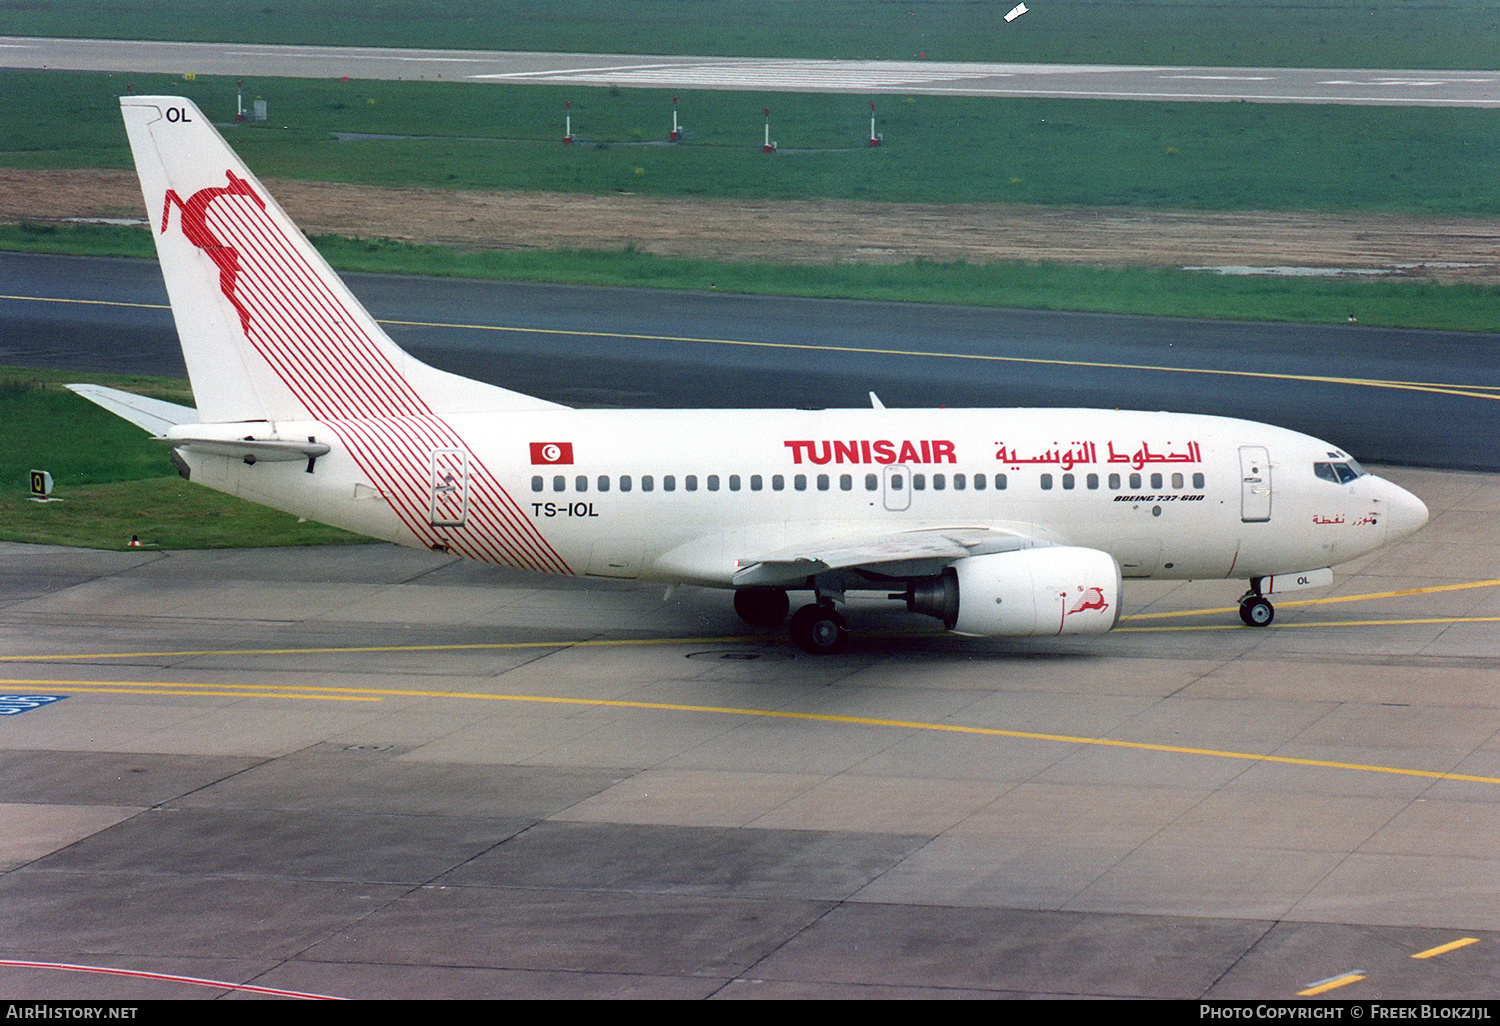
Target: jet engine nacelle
[[1049, 591]]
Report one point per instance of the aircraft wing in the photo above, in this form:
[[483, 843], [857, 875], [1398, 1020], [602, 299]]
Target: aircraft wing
[[155, 415], [896, 554]]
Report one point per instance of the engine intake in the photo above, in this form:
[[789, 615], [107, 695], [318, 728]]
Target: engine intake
[[1044, 591]]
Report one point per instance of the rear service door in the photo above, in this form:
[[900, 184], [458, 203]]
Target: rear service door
[[450, 488]]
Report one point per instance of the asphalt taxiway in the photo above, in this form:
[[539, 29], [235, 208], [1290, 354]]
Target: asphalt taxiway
[[371, 772], [1425, 398], [920, 77]]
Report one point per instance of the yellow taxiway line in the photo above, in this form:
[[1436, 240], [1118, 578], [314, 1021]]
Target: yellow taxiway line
[[1332, 983], [1443, 388], [478, 646], [278, 690], [1329, 600], [1443, 949], [745, 639], [1470, 391]]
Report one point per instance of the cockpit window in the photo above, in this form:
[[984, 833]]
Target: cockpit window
[[1339, 473]]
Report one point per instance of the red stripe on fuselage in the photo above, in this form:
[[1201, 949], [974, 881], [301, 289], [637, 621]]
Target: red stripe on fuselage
[[318, 349]]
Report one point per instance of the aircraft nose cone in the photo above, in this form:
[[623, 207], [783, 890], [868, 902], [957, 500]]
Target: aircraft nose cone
[[1405, 513]]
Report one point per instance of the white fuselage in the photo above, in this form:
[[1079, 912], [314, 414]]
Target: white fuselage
[[693, 496]]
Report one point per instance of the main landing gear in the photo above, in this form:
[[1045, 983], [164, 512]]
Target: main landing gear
[[819, 629], [1255, 609], [816, 628]]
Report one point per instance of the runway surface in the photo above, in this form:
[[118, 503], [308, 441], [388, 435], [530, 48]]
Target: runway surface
[[1422, 398], [1111, 82], [371, 772]]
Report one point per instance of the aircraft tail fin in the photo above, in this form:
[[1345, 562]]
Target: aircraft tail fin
[[268, 330]]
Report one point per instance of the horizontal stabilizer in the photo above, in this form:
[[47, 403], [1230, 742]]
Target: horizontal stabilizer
[[251, 450], [154, 415]]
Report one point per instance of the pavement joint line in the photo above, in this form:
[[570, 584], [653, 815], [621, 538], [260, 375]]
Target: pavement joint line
[[778, 714], [1439, 388], [1443, 949], [1333, 982]]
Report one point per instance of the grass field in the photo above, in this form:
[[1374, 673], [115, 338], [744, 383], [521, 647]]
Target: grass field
[[114, 481], [937, 149], [1307, 33]]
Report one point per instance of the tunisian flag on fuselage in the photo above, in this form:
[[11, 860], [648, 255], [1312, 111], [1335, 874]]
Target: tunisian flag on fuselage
[[551, 452]]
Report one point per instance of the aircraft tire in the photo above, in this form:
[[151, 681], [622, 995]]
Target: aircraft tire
[[1257, 612], [819, 630], [762, 607]]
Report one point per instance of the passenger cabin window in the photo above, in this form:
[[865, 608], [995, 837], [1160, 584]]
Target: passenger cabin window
[[822, 482], [959, 482], [624, 482], [778, 483], [1156, 481], [1068, 480], [799, 482], [603, 483], [536, 483], [690, 483], [734, 482], [846, 482], [1135, 482], [1198, 481], [669, 483], [559, 483], [872, 482], [1046, 482], [918, 482], [1114, 482], [713, 482], [647, 482], [1176, 480], [755, 482], [1000, 482], [979, 482], [939, 482], [1092, 481]]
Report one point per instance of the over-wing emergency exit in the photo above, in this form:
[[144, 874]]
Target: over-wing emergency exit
[[1002, 522]]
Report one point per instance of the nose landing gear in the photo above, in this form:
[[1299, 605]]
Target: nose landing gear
[[1255, 609]]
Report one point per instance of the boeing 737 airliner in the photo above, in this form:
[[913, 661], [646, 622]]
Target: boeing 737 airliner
[[999, 523]]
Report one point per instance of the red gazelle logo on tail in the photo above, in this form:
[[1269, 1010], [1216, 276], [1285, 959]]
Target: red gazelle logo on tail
[[194, 222]]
